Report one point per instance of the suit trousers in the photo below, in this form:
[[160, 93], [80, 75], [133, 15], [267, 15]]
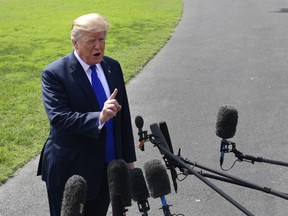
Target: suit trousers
[[96, 207]]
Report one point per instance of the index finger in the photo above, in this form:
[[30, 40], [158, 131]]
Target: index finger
[[113, 95]]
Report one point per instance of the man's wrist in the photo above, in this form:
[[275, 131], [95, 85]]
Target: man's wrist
[[100, 126]]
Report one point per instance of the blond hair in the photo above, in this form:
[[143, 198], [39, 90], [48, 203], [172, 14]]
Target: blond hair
[[89, 23]]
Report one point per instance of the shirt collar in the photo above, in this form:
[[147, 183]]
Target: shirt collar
[[84, 65]]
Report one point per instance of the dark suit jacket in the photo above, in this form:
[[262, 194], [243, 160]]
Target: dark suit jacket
[[74, 145]]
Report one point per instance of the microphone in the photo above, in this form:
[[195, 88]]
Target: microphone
[[74, 196], [159, 138], [170, 164], [227, 119], [164, 129], [158, 182], [139, 190], [139, 124], [119, 186]]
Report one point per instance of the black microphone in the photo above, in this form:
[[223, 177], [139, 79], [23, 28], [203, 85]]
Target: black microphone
[[139, 190], [119, 186], [170, 164], [227, 119], [139, 124], [159, 138], [74, 196], [164, 129], [158, 182]]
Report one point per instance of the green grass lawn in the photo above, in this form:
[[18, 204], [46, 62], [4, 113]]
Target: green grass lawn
[[33, 33]]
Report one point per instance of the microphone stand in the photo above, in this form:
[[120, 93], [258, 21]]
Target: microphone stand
[[238, 181], [211, 185], [170, 166], [179, 162], [144, 207], [253, 159], [250, 158], [117, 209], [165, 207]]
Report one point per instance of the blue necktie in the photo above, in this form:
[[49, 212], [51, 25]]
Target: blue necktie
[[101, 97]]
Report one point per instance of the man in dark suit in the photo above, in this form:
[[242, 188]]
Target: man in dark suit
[[77, 143]]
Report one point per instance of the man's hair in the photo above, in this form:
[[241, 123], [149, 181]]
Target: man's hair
[[88, 23]]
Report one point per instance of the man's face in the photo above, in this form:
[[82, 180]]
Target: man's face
[[90, 47]]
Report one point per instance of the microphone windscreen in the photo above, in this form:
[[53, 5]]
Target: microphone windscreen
[[164, 129], [119, 183], [74, 196], [227, 119], [159, 137], [139, 122], [138, 185], [157, 178]]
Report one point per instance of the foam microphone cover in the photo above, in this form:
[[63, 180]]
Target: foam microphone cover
[[157, 178], [74, 196], [119, 182], [139, 122], [138, 185], [227, 119]]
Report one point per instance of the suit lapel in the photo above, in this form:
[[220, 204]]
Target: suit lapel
[[109, 76], [80, 77]]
